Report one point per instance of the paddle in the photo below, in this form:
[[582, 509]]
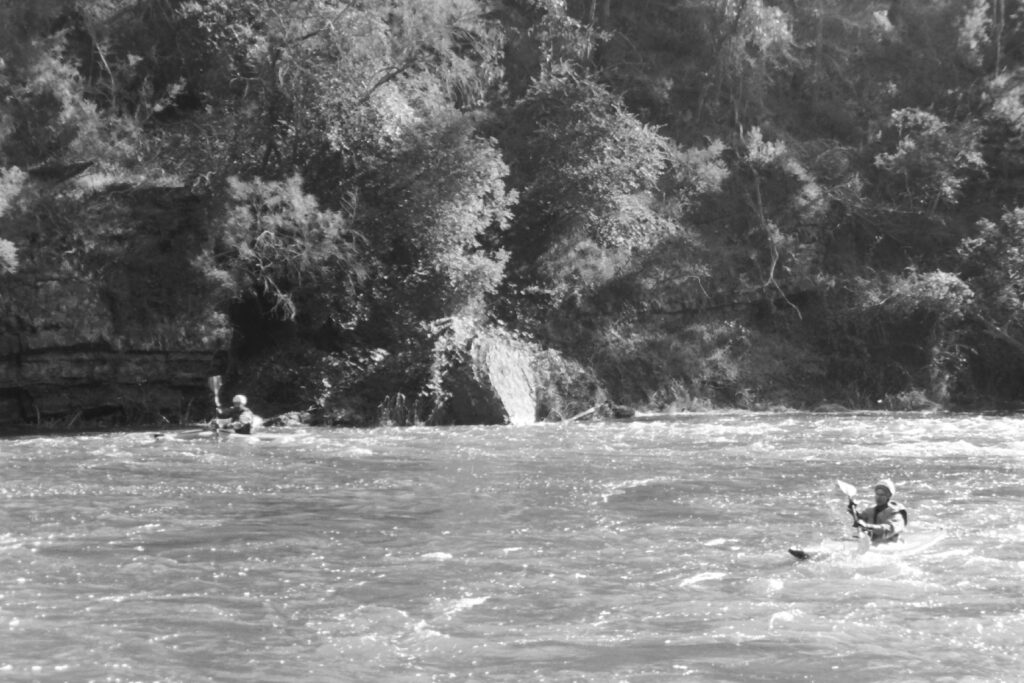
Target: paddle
[[214, 383], [850, 491]]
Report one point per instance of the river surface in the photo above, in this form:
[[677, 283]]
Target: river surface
[[648, 550]]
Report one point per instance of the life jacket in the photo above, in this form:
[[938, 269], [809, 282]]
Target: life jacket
[[873, 515], [247, 418]]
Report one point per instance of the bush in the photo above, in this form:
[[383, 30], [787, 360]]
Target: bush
[[441, 207], [287, 252], [902, 332], [588, 171], [928, 161], [11, 180]]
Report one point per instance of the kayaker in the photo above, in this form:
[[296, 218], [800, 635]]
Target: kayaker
[[237, 418], [886, 520]]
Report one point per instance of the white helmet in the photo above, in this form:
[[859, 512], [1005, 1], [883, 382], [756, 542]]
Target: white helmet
[[240, 399], [887, 484]]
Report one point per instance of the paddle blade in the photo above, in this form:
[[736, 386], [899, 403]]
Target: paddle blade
[[214, 383], [849, 489]]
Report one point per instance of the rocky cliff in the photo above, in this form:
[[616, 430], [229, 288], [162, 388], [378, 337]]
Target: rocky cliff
[[110, 313]]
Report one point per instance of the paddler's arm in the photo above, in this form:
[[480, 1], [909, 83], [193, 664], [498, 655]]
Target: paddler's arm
[[219, 410], [894, 525], [851, 507], [243, 423], [220, 415], [887, 529], [878, 532]]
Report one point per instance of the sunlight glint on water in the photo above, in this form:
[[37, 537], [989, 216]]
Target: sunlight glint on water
[[644, 550]]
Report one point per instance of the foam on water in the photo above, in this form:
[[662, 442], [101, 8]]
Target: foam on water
[[651, 549]]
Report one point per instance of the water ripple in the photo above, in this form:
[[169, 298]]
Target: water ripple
[[643, 550]]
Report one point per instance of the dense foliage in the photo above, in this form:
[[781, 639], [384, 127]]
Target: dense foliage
[[725, 201]]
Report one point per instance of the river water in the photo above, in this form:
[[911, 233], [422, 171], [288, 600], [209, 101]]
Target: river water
[[648, 550]]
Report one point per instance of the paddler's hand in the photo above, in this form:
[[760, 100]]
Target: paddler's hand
[[852, 507], [861, 524]]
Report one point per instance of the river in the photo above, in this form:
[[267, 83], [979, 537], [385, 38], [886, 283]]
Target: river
[[646, 550]]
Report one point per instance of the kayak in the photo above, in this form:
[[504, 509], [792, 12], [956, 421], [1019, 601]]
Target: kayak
[[908, 545], [217, 435], [911, 545]]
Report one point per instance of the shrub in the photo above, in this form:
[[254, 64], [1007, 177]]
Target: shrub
[[442, 203], [928, 160], [11, 180], [285, 250]]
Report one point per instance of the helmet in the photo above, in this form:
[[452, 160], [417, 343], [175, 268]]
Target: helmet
[[887, 484], [240, 399]]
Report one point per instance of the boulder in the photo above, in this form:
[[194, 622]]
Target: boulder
[[294, 418], [911, 400], [492, 381], [830, 408]]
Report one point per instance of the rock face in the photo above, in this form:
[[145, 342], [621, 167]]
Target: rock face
[[108, 313], [492, 381], [68, 385]]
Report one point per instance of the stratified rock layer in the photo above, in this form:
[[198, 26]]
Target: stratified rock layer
[[113, 317]]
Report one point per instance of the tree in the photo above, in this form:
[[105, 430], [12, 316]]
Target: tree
[[296, 258], [335, 81], [785, 205], [45, 116], [588, 174], [993, 265], [710, 64], [926, 161], [900, 334], [441, 206], [11, 181]]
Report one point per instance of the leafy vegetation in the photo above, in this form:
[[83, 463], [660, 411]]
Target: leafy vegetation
[[688, 202]]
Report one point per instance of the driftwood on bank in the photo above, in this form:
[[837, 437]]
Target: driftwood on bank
[[605, 410]]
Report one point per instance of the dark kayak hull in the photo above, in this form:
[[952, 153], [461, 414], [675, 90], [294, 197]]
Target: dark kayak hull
[[219, 435], [913, 545]]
